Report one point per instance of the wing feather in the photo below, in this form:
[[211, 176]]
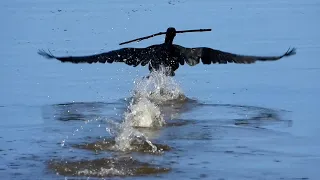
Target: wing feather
[[192, 56], [130, 56]]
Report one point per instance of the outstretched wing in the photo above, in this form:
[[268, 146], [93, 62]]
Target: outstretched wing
[[130, 56], [192, 56]]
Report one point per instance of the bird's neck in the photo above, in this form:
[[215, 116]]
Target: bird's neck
[[168, 40]]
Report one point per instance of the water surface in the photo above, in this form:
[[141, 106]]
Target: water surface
[[257, 121]]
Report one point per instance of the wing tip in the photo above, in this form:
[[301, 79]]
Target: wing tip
[[45, 54], [290, 52]]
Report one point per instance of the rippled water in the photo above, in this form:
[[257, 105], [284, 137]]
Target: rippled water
[[66, 121]]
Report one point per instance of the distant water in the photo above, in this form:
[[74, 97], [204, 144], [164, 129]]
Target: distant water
[[66, 121]]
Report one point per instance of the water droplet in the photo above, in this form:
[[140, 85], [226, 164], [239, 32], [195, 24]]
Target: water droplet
[[62, 143]]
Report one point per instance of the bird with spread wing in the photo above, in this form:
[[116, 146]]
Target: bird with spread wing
[[167, 54]]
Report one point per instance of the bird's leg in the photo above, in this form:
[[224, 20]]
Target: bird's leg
[[169, 72], [162, 91], [146, 77]]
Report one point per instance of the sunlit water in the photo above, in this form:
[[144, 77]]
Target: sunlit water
[[66, 121]]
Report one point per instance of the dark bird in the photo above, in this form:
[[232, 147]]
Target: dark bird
[[167, 54]]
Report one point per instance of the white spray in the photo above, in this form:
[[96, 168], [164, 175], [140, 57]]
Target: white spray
[[143, 110]]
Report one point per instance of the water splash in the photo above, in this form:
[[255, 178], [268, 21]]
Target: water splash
[[158, 88], [145, 114], [144, 110], [102, 172], [142, 113]]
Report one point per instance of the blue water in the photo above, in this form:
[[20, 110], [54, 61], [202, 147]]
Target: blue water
[[257, 121]]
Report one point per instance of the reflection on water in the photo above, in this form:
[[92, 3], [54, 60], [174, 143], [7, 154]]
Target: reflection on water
[[105, 167]]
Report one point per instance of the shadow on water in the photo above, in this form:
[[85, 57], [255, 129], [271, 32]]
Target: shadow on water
[[82, 111], [105, 167], [253, 116], [109, 145], [250, 116], [171, 110]]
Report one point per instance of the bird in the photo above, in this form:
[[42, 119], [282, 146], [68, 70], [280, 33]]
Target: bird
[[166, 54]]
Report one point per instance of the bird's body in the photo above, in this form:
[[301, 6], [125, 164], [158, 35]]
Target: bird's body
[[168, 55]]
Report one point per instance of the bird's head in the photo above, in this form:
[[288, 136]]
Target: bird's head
[[170, 34]]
